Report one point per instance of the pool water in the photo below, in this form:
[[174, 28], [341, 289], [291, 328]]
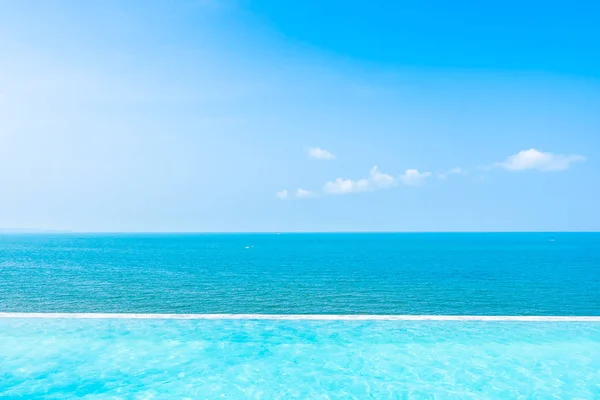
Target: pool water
[[64, 358]]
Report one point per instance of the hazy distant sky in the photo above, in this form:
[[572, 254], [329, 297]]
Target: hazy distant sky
[[299, 115]]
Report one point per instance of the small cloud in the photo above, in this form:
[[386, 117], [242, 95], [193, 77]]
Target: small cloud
[[283, 194], [539, 160], [380, 180], [344, 186], [376, 180], [320, 154], [413, 177], [445, 174], [303, 193]]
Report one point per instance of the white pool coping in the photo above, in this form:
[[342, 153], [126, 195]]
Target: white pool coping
[[308, 317]]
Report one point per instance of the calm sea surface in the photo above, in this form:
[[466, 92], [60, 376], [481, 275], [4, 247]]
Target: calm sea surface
[[428, 273]]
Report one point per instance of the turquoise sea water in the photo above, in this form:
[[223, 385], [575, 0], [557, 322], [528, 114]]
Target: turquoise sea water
[[429, 273], [247, 359]]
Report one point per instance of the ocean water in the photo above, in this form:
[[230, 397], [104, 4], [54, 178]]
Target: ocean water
[[257, 359], [428, 273]]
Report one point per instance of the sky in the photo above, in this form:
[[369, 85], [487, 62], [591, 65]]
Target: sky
[[263, 116]]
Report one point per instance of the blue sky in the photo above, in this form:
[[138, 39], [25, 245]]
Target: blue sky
[[299, 116]]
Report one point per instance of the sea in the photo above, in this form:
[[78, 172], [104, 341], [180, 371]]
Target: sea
[[305, 273]]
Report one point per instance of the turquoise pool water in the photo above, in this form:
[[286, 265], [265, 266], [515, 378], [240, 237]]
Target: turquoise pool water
[[297, 359]]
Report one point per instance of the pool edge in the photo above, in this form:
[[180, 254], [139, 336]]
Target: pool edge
[[308, 317]]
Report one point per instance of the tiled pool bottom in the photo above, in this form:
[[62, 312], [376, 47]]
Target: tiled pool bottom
[[297, 359]]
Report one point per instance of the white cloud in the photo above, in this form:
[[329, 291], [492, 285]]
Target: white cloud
[[320, 154], [413, 177], [303, 193], [445, 174], [526, 159], [534, 159], [343, 186], [380, 180], [376, 180]]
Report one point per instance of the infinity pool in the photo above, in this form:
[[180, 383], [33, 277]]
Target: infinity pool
[[65, 358]]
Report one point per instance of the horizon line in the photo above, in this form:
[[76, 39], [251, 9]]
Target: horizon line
[[305, 317], [63, 232]]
